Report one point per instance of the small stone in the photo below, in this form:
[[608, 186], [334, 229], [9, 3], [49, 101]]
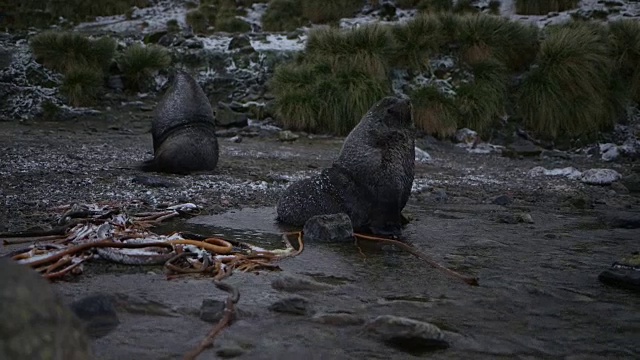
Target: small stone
[[338, 319], [609, 152], [522, 147], [440, 196], [525, 218], [297, 283], [241, 42], [422, 156], [600, 176], [621, 219], [212, 310], [406, 334], [295, 305], [287, 135], [466, 136], [229, 352], [236, 139], [632, 182], [502, 200], [328, 228], [98, 314]]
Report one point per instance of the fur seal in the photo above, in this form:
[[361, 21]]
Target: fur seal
[[183, 129], [371, 179]]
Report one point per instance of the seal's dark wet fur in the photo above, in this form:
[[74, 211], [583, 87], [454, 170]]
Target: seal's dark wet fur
[[371, 179], [183, 130]]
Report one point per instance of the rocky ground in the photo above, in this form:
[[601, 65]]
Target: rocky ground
[[537, 244]]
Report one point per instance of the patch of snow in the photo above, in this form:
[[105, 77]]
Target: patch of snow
[[279, 42], [422, 156], [609, 152], [568, 172], [600, 176]]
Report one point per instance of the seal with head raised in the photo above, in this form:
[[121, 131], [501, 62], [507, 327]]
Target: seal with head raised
[[183, 129], [371, 179]]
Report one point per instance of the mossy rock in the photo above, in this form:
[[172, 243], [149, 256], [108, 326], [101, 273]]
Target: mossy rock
[[35, 322]]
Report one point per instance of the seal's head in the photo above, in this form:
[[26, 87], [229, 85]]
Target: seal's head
[[394, 112]]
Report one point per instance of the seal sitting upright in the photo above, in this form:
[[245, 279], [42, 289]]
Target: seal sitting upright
[[371, 179], [183, 130]]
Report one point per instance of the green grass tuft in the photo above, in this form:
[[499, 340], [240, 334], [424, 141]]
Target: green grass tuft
[[416, 40], [324, 95], [433, 112], [430, 6], [624, 40], [60, 51], [283, 15], [482, 37], [481, 103], [138, 63], [543, 7], [198, 20], [82, 85], [367, 45], [232, 25], [570, 91], [328, 11], [173, 26]]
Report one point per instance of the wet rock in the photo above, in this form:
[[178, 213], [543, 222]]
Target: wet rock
[[600, 176], [338, 319], [502, 200], [328, 228], [295, 305], [422, 156], [522, 147], [568, 172], [632, 182], [514, 218], [242, 43], [153, 181], [578, 201], [624, 273], [609, 152], [406, 334], [229, 352], [212, 310], [193, 44], [170, 40], [98, 313], [35, 322], [439, 195], [466, 136], [287, 135], [5, 58], [226, 117], [621, 219], [292, 283], [154, 37], [236, 139]]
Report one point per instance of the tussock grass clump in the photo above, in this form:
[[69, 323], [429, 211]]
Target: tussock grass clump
[[416, 40], [481, 103], [543, 7], [283, 15], [482, 37], [60, 51], [198, 21], [82, 85], [139, 62], [327, 11], [232, 25], [624, 39], [173, 26], [435, 5], [434, 112], [570, 91], [324, 95], [369, 46]]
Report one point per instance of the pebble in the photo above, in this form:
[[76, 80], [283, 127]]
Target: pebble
[[334, 228], [600, 176], [406, 334], [295, 305]]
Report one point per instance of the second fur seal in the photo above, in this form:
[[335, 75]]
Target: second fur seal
[[183, 129], [371, 179]]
